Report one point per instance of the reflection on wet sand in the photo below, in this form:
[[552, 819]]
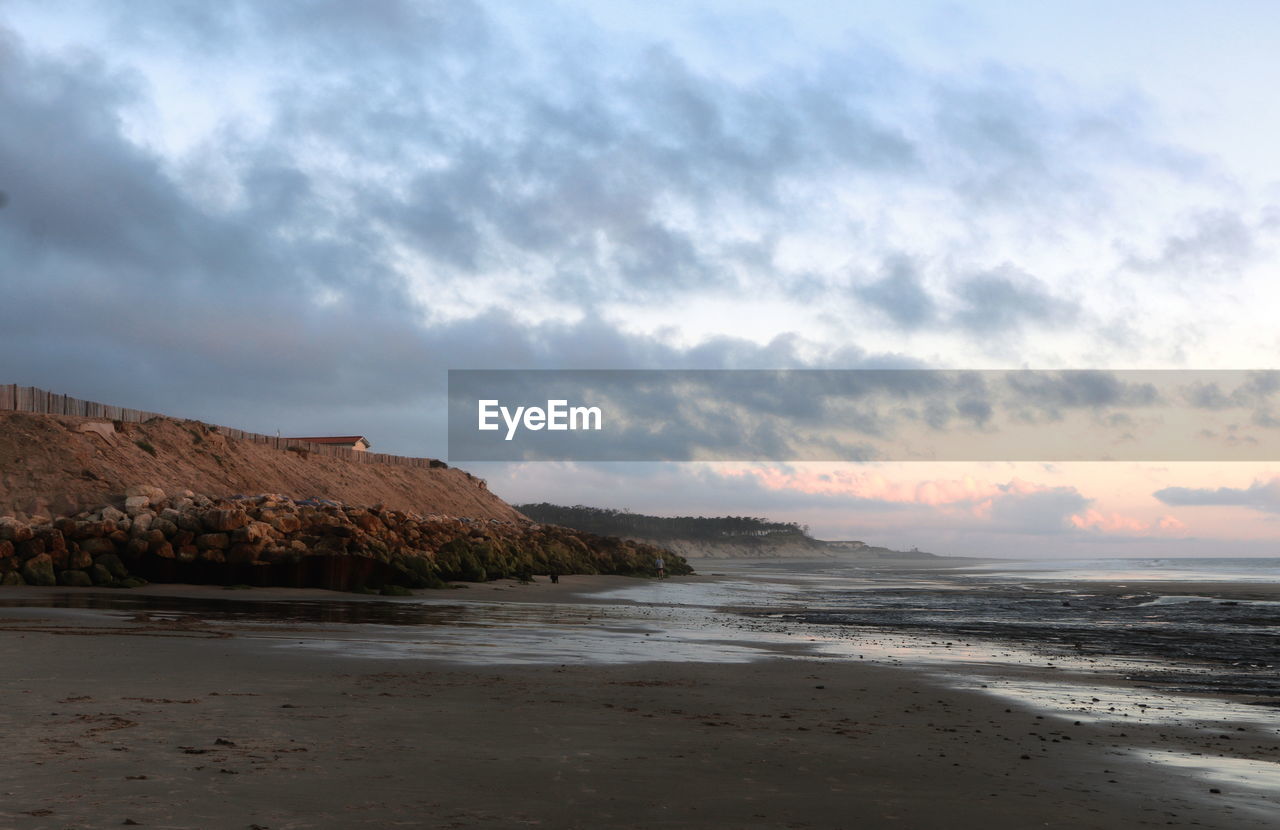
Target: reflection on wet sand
[[1076, 654]]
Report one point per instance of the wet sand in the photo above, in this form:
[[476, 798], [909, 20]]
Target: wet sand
[[183, 721]]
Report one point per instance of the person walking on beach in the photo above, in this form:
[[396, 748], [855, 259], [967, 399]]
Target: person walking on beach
[[661, 567]]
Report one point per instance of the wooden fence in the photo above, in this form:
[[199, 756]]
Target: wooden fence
[[32, 399]]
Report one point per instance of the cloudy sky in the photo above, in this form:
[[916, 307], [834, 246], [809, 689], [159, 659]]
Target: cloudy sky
[[299, 215]]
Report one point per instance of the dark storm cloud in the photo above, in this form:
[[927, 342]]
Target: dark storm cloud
[[1040, 511], [1243, 389], [900, 294], [582, 170], [1093, 389], [1249, 391], [76, 190], [1007, 300], [120, 282], [977, 410], [422, 127], [576, 173], [130, 289], [1261, 495]]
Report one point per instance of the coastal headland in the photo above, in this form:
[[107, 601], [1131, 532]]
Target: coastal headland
[[87, 502]]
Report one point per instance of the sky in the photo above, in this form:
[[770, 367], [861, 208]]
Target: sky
[[298, 216]]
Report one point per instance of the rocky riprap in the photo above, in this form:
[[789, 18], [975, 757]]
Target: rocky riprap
[[276, 540]]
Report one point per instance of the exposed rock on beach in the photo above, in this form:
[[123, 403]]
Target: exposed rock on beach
[[272, 539]]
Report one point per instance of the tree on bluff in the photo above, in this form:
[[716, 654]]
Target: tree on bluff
[[610, 522]]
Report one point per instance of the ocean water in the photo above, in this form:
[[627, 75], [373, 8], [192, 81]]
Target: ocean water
[[1174, 569], [1202, 624]]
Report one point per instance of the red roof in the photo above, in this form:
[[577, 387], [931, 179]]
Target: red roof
[[333, 439]]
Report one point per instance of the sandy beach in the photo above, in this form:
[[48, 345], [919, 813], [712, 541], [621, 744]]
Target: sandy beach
[[312, 720]]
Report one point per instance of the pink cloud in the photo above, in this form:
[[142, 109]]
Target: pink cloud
[[873, 486], [980, 499], [1112, 522], [965, 495]]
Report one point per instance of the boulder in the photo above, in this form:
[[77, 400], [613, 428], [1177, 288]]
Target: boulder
[[219, 541], [93, 528], [222, 520], [286, 523], [367, 522], [12, 578], [12, 530], [113, 564], [100, 574], [52, 538], [152, 494], [29, 548], [164, 550], [75, 579], [79, 559], [6, 549], [60, 558], [38, 570], [97, 546], [253, 532], [142, 523], [111, 514], [191, 522], [136, 504]]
